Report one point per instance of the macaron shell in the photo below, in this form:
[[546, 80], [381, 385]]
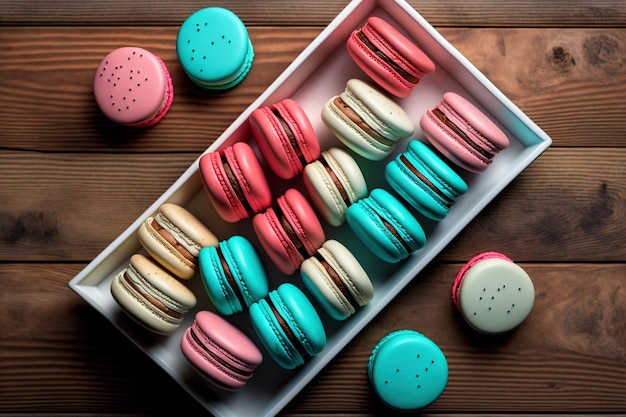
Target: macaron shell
[[323, 288], [296, 310], [456, 285], [397, 48], [155, 285], [246, 266], [451, 145], [193, 229], [275, 240], [163, 252], [215, 347], [133, 87], [495, 296], [373, 233], [407, 370], [274, 142], [214, 48], [219, 290], [247, 169], [324, 192], [415, 190], [375, 109]]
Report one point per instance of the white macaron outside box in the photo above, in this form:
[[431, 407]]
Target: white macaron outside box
[[318, 73]]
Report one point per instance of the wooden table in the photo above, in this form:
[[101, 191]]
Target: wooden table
[[71, 181]]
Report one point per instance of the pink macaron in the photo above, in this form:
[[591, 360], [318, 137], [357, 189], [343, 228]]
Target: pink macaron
[[235, 182], [493, 294], [285, 137], [388, 57], [221, 353], [290, 231], [133, 87], [463, 133]]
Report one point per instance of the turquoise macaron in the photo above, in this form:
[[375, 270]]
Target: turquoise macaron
[[233, 274], [214, 48], [424, 180], [288, 326], [407, 370], [386, 226]]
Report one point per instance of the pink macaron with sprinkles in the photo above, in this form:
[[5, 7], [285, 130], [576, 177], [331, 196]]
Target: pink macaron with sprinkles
[[133, 87], [493, 294]]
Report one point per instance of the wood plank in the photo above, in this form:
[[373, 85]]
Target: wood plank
[[57, 354], [477, 13], [568, 205], [568, 81]]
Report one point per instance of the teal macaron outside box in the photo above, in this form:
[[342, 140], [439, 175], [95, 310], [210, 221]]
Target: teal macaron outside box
[[407, 370], [214, 48], [233, 274]]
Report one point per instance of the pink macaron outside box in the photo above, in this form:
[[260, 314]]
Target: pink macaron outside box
[[320, 72]]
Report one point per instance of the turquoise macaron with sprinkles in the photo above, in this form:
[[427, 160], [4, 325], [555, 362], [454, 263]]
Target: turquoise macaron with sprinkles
[[407, 370], [214, 48]]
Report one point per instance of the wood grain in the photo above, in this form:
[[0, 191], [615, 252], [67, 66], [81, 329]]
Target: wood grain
[[465, 13], [549, 73]]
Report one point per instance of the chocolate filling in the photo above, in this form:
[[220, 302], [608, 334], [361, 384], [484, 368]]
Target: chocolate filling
[[334, 276], [238, 373], [232, 179], [351, 114], [158, 304], [292, 138], [336, 181], [395, 233], [403, 73], [425, 180], [295, 341], [172, 241], [291, 233], [229, 276], [441, 116]]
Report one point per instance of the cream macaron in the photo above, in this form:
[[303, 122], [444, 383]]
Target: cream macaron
[[151, 296], [366, 120], [333, 183], [174, 237], [337, 280]]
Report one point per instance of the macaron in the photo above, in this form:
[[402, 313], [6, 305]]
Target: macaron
[[493, 294], [214, 48], [424, 180], [463, 133], [233, 274], [151, 296], [285, 137], [333, 183], [366, 120], [288, 326], [386, 226], [220, 352], [174, 237], [337, 280], [235, 182], [407, 370], [388, 57], [133, 87], [290, 231]]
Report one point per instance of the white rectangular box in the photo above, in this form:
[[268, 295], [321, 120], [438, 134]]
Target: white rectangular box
[[317, 74]]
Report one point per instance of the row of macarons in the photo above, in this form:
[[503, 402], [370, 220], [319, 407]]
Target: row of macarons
[[492, 293], [133, 86]]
